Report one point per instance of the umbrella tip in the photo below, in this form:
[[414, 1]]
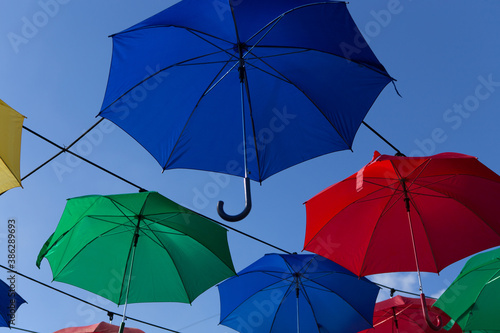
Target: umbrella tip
[[142, 190]]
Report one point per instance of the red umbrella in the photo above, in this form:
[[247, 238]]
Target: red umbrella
[[101, 327], [402, 214], [403, 314]]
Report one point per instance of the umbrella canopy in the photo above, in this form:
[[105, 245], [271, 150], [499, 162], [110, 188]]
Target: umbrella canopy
[[137, 247], [101, 327], [403, 314], [362, 221], [247, 88], [406, 214], [10, 301], [472, 300], [11, 124], [297, 293]]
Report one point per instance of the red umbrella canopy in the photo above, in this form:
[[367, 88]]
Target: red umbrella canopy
[[446, 203], [101, 327], [404, 314]]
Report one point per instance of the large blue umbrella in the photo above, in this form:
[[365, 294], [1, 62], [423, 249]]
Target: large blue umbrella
[[246, 88], [10, 301], [297, 293]]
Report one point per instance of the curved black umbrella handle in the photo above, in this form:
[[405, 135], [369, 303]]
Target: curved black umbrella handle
[[439, 324], [244, 213]]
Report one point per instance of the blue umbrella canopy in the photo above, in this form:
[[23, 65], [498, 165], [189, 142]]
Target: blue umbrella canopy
[[247, 88], [10, 301], [297, 293]]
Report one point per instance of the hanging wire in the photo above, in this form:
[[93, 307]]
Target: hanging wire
[[66, 150], [22, 329], [393, 290], [141, 189], [398, 153], [110, 314], [62, 149], [84, 301]]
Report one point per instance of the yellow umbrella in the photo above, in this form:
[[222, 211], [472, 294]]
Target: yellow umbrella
[[11, 124]]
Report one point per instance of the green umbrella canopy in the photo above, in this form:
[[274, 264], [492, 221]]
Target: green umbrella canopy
[[473, 299], [178, 254]]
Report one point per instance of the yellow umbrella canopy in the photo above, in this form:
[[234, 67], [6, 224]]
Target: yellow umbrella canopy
[[11, 124]]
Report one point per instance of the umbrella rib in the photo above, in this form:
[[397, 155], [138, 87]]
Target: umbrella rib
[[277, 19], [344, 208], [308, 300], [477, 296], [385, 209], [82, 215], [298, 50], [324, 52], [229, 42], [170, 26], [130, 249], [391, 316], [160, 243], [227, 51], [209, 87], [285, 294], [180, 63], [415, 186], [268, 72], [198, 34], [463, 205], [329, 290], [12, 172], [307, 96], [79, 251], [412, 201]]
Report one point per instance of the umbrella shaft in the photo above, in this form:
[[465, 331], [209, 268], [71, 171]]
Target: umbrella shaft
[[242, 86], [407, 204], [297, 293], [415, 252], [134, 246]]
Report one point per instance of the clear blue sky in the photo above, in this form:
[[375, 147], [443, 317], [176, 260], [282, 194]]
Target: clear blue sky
[[54, 61]]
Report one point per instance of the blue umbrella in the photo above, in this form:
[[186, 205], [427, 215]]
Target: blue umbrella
[[9, 302], [297, 292], [247, 88]]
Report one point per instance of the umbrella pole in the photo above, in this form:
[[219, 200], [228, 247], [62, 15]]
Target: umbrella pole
[[297, 276], [422, 295], [136, 238], [248, 198], [395, 320]]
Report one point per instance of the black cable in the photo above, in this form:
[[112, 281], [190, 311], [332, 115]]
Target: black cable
[[393, 290], [84, 301], [398, 153], [247, 235], [66, 150], [62, 149], [123, 179], [22, 329]]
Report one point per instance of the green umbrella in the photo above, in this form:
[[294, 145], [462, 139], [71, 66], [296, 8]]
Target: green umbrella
[[473, 299], [136, 248]]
